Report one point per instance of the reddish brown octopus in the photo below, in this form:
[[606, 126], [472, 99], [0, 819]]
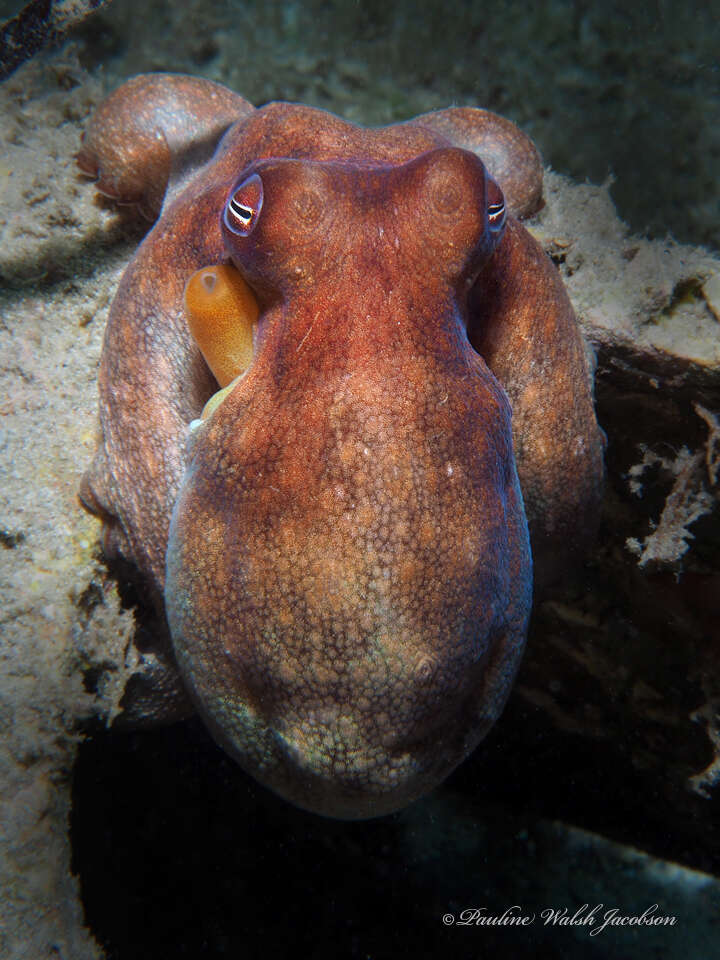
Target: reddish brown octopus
[[340, 545]]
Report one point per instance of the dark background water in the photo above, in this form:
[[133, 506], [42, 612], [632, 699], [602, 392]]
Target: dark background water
[[180, 854]]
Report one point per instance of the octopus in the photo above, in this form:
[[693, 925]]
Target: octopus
[[345, 406]]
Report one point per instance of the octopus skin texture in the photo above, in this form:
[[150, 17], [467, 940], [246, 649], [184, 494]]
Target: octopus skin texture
[[339, 539]]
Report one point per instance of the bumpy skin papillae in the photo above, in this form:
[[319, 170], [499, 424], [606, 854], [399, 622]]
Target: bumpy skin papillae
[[152, 378], [538, 355], [508, 153], [151, 125], [402, 568], [348, 567]]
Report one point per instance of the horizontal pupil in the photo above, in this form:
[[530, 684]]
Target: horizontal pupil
[[245, 213]]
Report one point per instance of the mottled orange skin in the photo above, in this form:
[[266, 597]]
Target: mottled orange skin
[[152, 128], [348, 567]]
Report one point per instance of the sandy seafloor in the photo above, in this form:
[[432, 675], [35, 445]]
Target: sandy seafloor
[[174, 852]]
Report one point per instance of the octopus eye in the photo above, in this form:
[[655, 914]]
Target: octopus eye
[[495, 206], [244, 206]]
